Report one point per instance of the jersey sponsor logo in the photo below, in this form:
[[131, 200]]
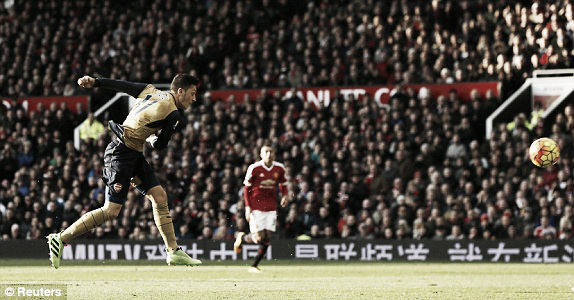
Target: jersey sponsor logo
[[118, 187], [268, 183]]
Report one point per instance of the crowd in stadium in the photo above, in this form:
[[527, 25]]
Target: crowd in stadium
[[420, 169], [256, 44]]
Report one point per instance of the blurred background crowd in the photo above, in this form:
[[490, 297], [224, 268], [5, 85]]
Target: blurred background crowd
[[417, 169], [284, 43]]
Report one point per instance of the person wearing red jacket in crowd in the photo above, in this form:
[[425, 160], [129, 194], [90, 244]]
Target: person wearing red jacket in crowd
[[260, 196]]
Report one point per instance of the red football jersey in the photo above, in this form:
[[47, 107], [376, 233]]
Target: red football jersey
[[262, 183]]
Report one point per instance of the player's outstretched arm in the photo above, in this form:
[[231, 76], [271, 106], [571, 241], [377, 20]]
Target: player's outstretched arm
[[131, 88]]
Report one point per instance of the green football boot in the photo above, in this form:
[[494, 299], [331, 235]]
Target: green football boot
[[56, 248], [180, 258]]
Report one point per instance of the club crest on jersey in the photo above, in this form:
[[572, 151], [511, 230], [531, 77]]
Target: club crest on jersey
[[275, 175], [261, 175], [118, 187]]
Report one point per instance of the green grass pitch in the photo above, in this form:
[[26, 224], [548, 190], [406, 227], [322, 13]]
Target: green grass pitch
[[297, 280]]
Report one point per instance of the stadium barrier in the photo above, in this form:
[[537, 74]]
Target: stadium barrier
[[527, 251], [31, 103], [552, 89], [381, 94]]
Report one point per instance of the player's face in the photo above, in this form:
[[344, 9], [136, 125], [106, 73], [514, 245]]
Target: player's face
[[187, 96], [267, 154]]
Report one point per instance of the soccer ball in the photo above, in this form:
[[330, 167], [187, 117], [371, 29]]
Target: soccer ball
[[544, 152]]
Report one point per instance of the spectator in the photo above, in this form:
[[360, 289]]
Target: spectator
[[544, 229], [455, 234], [223, 232], [365, 232], [184, 232], [25, 155], [419, 230], [456, 149], [308, 217], [315, 233], [91, 128], [8, 162], [293, 226], [329, 233], [566, 229]]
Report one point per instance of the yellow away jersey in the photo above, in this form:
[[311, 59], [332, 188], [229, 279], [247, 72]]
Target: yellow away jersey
[[148, 116]]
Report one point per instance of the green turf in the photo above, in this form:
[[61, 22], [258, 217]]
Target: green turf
[[298, 280]]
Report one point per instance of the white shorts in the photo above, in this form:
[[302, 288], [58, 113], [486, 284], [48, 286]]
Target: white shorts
[[261, 220]]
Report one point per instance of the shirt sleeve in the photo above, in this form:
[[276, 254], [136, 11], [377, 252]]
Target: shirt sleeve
[[247, 186], [131, 88], [247, 196], [283, 183], [282, 177], [249, 176], [167, 130]]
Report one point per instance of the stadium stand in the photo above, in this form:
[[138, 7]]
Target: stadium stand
[[421, 169]]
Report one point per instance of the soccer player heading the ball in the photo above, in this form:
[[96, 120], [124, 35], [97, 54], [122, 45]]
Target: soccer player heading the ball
[[260, 196], [152, 119]]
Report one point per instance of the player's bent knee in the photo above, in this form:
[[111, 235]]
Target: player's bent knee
[[113, 214], [157, 195], [112, 210]]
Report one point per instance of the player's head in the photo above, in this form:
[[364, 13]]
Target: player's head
[[184, 86], [267, 154]]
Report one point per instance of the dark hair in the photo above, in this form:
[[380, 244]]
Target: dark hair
[[267, 143], [184, 81]]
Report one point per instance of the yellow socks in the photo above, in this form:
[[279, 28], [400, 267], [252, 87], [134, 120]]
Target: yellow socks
[[87, 222], [164, 224]]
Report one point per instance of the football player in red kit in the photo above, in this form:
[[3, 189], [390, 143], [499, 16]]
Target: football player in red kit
[[260, 196]]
